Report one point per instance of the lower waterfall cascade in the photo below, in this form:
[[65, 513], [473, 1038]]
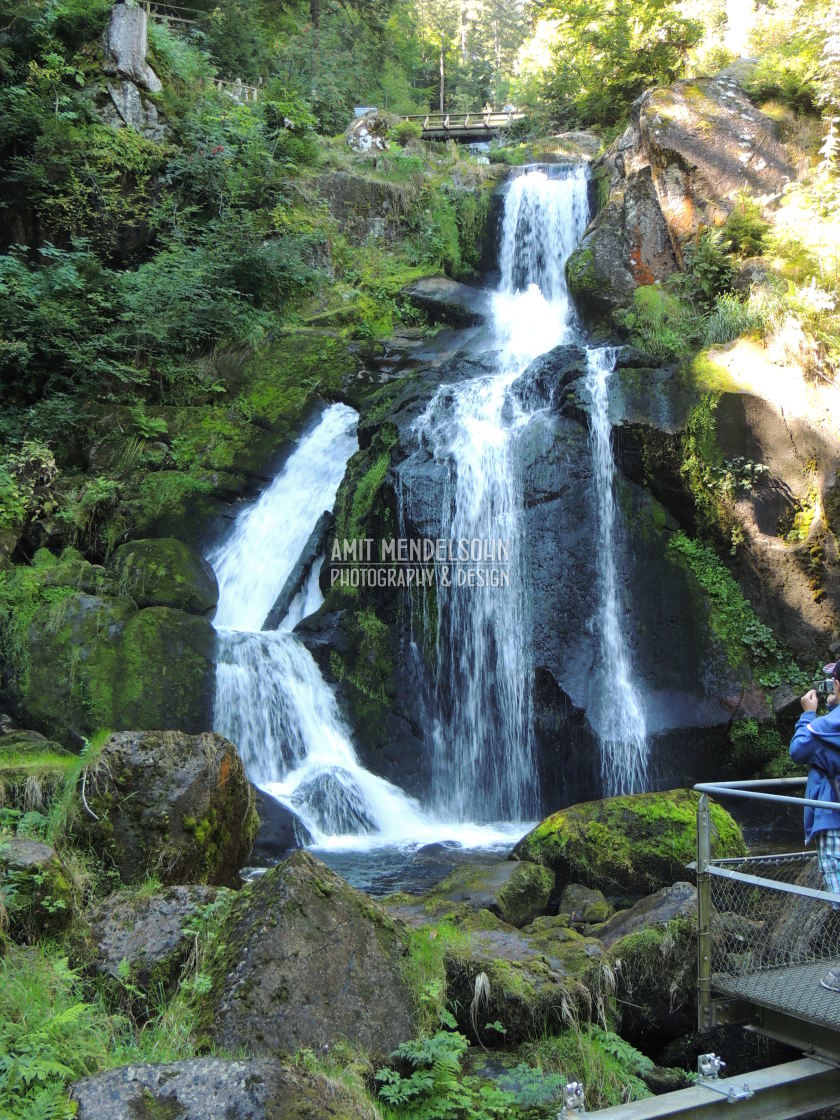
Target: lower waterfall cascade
[[271, 699]]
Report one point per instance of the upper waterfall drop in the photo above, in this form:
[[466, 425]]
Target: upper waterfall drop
[[484, 767]]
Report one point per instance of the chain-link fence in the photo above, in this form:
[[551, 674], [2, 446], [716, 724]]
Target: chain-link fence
[[769, 931]]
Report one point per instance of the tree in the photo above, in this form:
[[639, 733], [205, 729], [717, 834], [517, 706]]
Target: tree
[[610, 51], [440, 23]]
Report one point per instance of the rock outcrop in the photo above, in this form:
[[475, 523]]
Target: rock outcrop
[[309, 961], [173, 805], [33, 770], [689, 150], [212, 1087], [446, 301], [126, 44]]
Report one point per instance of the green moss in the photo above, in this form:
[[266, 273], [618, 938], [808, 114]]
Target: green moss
[[758, 750], [580, 273], [746, 639], [636, 843]]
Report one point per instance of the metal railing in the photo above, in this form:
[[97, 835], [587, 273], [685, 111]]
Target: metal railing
[[768, 930]]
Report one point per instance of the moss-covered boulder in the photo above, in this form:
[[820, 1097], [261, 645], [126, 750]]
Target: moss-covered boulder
[[215, 1087], [627, 845], [583, 906], [173, 805], [93, 662], [656, 965], [138, 943], [306, 960], [33, 770], [516, 892], [539, 979], [165, 572], [35, 891]]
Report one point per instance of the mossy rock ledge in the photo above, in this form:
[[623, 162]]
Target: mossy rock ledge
[[165, 572], [173, 805], [307, 961], [627, 845]]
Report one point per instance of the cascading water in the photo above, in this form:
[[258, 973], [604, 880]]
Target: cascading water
[[483, 736], [621, 719], [271, 699]]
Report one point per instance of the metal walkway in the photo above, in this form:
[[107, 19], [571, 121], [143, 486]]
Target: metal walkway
[[767, 933]]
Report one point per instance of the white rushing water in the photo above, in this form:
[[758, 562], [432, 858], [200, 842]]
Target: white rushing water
[[483, 733], [620, 715], [271, 699]]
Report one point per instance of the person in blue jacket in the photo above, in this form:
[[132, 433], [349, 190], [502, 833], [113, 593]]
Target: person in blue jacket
[[816, 744]]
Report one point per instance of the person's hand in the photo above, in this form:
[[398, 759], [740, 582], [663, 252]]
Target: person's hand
[[832, 700], [809, 701]]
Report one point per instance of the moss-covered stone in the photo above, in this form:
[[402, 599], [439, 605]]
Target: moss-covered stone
[[99, 662], [165, 572], [538, 982], [33, 770], [583, 906], [306, 960], [35, 891], [171, 805], [516, 896], [633, 844]]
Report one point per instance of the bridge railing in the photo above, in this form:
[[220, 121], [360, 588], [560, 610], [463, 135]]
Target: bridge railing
[[470, 121], [764, 919]]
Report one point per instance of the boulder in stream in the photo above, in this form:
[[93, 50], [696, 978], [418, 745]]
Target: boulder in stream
[[627, 845], [309, 961]]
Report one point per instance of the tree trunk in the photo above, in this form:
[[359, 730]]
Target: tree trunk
[[442, 73], [315, 12]]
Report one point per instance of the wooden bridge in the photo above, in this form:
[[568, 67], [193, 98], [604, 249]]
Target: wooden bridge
[[465, 126]]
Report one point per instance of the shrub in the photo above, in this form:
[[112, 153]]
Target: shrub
[[406, 131], [662, 323]]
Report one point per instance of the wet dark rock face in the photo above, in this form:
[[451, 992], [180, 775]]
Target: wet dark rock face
[[689, 688]]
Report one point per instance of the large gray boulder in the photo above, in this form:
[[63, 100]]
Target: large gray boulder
[[142, 940], [447, 301], [309, 961], [688, 152], [126, 43], [173, 805], [212, 1087]]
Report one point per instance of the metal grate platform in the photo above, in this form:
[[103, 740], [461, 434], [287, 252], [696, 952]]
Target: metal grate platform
[[794, 990]]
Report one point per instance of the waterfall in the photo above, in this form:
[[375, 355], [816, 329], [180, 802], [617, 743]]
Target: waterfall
[[618, 705], [484, 767], [271, 699]]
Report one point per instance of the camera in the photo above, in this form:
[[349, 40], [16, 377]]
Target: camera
[[824, 687]]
